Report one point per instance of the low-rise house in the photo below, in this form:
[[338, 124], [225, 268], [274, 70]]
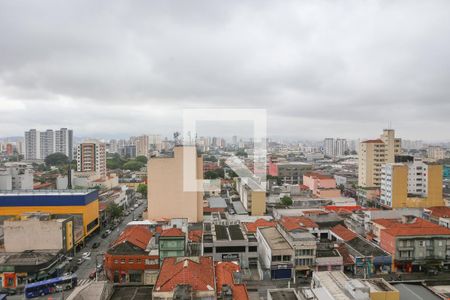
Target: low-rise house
[[172, 242], [131, 256], [185, 278], [328, 258], [415, 244]]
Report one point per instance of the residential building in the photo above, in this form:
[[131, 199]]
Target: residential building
[[229, 281], [32, 145], [335, 147], [167, 196], [38, 231], [416, 184], [91, 158], [322, 186], [414, 243], [305, 246], [16, 176], [172, 243], [328, 258], [185, 278], [39, 145], [142, 145], [131, 258], [129, 151], [253, 198], [436, 152], [275, 253], [81, 204], [229, 242], [288, 172], [375, 153], [64, 142]]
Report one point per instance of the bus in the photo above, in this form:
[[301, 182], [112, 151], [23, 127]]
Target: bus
[[49, 286]]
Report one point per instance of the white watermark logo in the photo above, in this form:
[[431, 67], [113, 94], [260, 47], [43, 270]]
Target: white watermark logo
[[255, 180]]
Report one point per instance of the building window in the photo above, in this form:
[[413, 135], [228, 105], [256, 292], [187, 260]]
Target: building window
[[131, 261], [116, 261], [139, 261], [122, 261], [252, 249], [207, 250]]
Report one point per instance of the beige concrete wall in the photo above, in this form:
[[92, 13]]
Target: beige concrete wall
[[258, 203], [166, 196], [32, 235]]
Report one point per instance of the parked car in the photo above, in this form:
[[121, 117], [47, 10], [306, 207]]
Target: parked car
[[80, 261], [99, 267], [104, 235], [86, 254], [95, 245]]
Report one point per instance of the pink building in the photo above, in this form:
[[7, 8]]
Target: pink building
[[322, 186]]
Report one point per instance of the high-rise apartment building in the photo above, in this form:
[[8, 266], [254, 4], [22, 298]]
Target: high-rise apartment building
[[39, 145], [413, 184], [91, 157], [328, 147], [167, 197], [334, 147], [155, 141], [375, 153], [436, 152], [142, 145], [64, 142]]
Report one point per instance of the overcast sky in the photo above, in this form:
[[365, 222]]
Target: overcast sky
[[320, 68]]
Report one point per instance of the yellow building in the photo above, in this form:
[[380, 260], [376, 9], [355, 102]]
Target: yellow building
[[252, 197], [81, 204], [413, 185], [373, 154], [168, 196]]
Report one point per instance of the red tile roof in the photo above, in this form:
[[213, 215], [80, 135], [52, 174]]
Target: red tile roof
[[252, 226], [224, 275], [136, 235], [342, 208], [195, 235], [417, 227], [440, 211], [343, 233], [172, 232], [198, 272], [297, 223]]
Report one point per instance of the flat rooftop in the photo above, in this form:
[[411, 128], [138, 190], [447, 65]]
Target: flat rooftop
[[283, 294], [274, 238], [45, 192]]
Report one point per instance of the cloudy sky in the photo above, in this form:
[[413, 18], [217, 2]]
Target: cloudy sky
[[320, 68]]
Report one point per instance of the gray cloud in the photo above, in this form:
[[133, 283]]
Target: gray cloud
[[320, 68]]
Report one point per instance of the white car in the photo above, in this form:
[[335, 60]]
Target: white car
[[86, 254]]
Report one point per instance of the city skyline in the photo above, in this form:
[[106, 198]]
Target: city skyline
[[128, 66]]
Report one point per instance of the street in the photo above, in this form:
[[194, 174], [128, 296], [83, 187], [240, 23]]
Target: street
[[96, 257]]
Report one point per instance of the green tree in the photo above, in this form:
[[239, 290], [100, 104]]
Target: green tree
[[211, 175], [142, 188], [132, 165], [141, 158], [114, 210], [56, 159], [241, 153], [286, 200]]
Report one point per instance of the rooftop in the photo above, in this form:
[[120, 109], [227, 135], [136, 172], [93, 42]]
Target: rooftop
[[344, 233], [413, 227], [274, 238], [297, 223], [224, 276], [172, 232], [251, 227], [283, 294], [198, 272], [136, 235]]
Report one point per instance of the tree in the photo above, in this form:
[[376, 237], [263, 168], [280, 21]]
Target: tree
[[56, 159], [242, 153], [133, 165], [114, 210], [142, 188], [211, 175], [286, 200], [141, 158]]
